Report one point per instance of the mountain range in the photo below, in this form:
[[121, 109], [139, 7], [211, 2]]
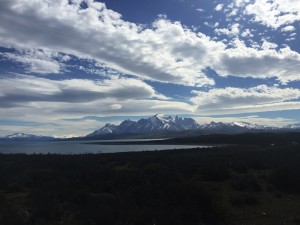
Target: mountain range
[[166, 124], [26, 137], [160, 125], [152, 124]]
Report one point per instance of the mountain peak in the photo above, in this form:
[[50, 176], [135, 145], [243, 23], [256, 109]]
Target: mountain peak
[[159, 115], [23, 136], [19, 135], [163, 123], [157, 123]]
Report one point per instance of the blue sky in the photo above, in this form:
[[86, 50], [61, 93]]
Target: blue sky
[[68, 67]]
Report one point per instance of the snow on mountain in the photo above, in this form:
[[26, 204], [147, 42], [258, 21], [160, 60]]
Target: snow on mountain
[[158, 122], [107, 129], [293, 126], [19, 135], [212, 125], [233, 126], [252, 126], [23, 136], [186, 123], [127, 126]]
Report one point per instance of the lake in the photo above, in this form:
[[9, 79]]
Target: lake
[[81, 147]]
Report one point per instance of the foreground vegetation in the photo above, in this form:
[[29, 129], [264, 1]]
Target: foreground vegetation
[[226, 185]]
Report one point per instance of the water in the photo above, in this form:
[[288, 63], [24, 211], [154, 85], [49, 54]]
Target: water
[[80, 147]]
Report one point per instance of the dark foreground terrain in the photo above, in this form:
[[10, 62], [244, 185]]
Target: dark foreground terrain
[[227, 185]]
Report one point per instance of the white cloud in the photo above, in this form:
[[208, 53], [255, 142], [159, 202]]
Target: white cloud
[[237, 100], [240, 3], [32, 89], [232, 13], [291, 39], [55, 113], [200, 10], [219, 7], [37, 61], [272, 13], [247, 33], [233, 30], [149, 53], [266, 45], [265, 62], [288, 28], [224, 31], [116, 106], [49, 102], [100, 33]]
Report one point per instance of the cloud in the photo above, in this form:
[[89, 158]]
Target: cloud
[[37, 61], [200, 10], [32, 89], [237, 100], [288, 28], [247, 33], [100, 33], [116, 106], [219, 7], [59, 128], [148, 52], [272, 13], [56, 112], [266, 62], [40, 99], [234, 30]]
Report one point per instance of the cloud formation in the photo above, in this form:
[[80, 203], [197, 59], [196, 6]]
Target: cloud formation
[[100, 33], [219, 7], [32, 89], [238, 100], [40, 99], [288, 28], [92, 41], [164, 51], [37, 61], [272, 13]]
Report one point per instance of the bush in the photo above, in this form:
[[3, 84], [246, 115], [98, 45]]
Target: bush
[[215, 173], [243, 199], [287, 178], [8, 213], [246, 183]]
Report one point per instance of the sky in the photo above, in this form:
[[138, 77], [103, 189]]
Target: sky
[[67, 67]]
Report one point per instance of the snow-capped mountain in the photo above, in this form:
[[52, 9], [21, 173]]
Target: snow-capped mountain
[[107, 129], [23, 136], [156, 123], [254, 126], [240, 125], [187, 123], [161, 123], [293, 126], [233, 127]]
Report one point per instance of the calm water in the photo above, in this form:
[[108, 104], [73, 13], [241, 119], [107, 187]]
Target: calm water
[[80, 147]]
